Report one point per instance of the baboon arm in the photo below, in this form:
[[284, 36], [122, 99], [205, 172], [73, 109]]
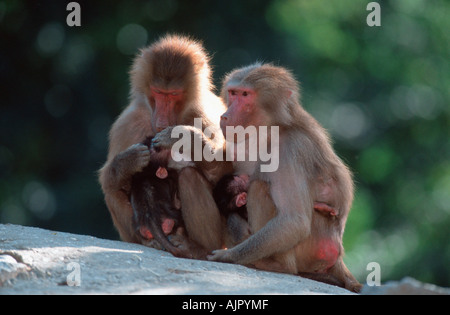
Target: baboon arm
[[290, 226], [200, 213]]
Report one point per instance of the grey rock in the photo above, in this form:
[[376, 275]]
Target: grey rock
[[10, 268], [37, 261]]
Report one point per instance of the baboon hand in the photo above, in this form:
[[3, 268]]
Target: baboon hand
[[137, 157], [222, 255], [164, 140]]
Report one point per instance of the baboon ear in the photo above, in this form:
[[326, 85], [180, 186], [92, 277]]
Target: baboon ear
[[241, 199], [288, 93]]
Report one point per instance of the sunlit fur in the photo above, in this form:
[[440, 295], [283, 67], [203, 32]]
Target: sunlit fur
[[173, 62], [309, 171]]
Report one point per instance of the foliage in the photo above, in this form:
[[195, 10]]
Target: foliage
[[382, 92]]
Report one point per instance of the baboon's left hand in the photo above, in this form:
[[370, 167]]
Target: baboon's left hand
[[163, 139], [222, 255]]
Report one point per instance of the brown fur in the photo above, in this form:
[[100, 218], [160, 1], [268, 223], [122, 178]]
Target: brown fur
[[309, 171], [173, 62]]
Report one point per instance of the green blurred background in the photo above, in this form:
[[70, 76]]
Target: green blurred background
[[382, 92]]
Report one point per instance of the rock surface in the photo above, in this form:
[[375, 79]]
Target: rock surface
[[37, 261]]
